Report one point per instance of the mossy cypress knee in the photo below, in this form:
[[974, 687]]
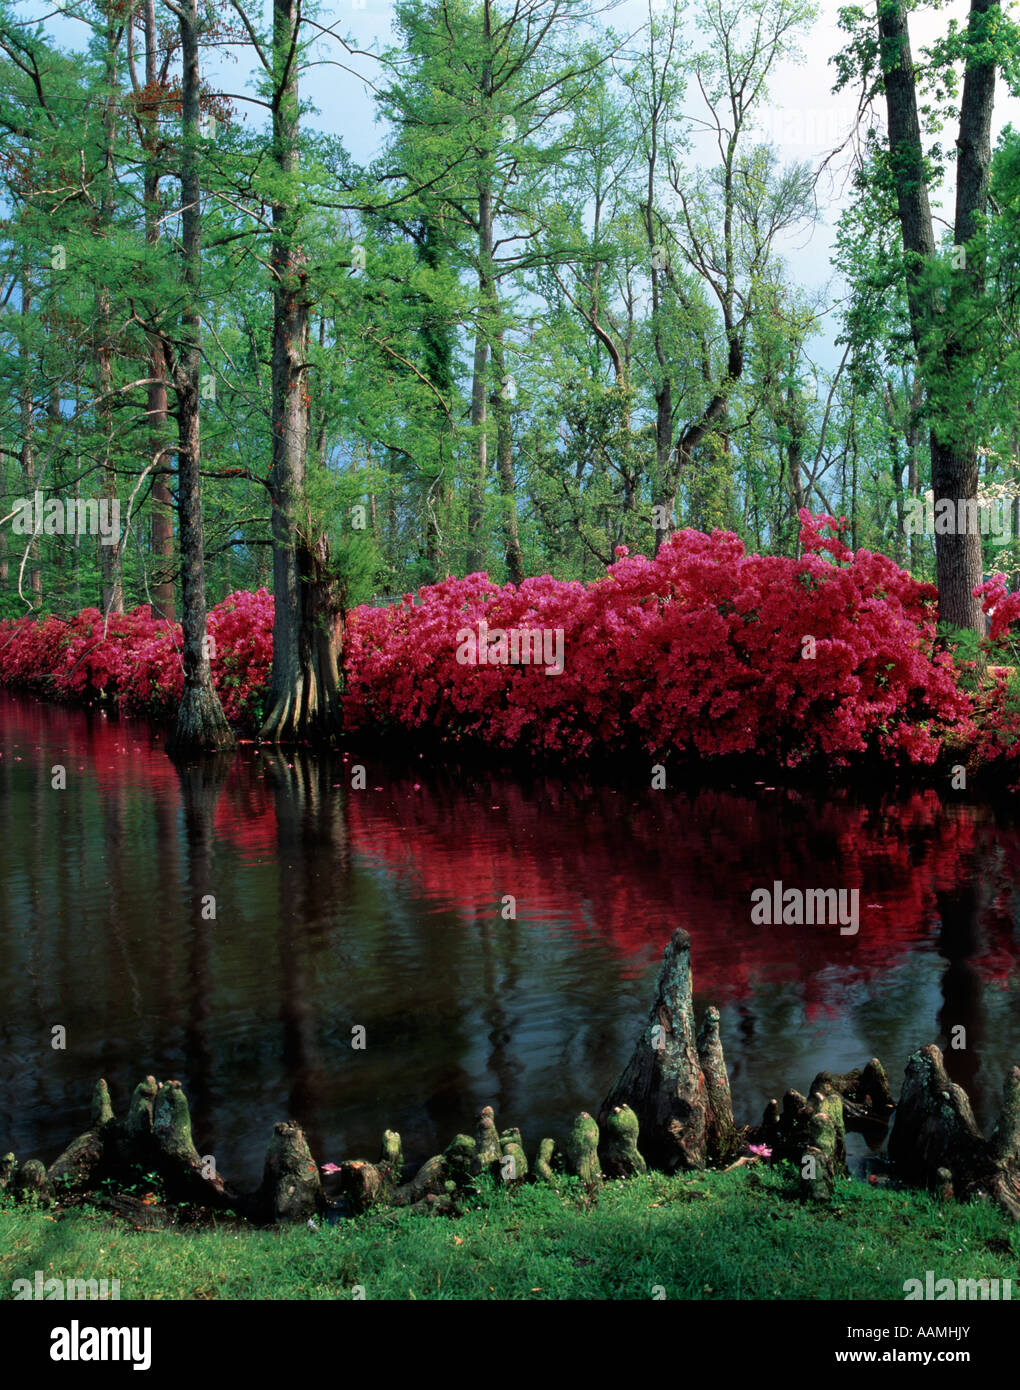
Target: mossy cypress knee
[[544, 1161], [171, 1124], [102, 1110], [291, 1185], [138, 1124], [583, 1150], [513, 1167], [31, 1182], [620, 1156], [487, 1150]]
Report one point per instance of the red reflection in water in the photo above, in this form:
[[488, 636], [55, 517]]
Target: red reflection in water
[[255, 1010], [693, 863], [623, 867]]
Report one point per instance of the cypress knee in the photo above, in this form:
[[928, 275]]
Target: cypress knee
[[620, 1156], [583, 1150], [722, 1132], [291, 1185], [663, 1082], [934, 1126]]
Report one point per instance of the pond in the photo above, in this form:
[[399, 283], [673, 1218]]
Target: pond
[[237, 926]]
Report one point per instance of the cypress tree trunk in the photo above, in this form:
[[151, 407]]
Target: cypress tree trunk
[[486, 292], [437, 356], [201, 725], [109, 555], [162, 502], [303, 698], [26, 407], [479, 394], [505, 463]]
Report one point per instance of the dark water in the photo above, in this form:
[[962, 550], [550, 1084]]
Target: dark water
[[381, 909]]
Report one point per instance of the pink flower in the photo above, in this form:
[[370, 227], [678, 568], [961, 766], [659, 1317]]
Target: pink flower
[[702, 651], [760, 1150]]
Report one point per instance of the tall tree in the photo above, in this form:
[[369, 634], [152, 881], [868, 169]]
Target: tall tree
[[731, 221], [941, 312], [148, 101], [201, 725], [304, 686], [473, 109]]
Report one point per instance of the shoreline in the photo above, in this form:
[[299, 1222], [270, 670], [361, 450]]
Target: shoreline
[[670, 1111], [869, 775]]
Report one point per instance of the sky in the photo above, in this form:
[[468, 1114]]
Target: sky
[[804, 119]]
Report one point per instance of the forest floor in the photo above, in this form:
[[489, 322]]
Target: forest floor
[[712, 1235]]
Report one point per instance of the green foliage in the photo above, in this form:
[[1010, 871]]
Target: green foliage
[[605, 299]]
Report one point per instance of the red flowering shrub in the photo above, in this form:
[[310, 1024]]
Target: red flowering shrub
[[705, 649], [135, 662], [135, 659], [998, 704], [242, 629]]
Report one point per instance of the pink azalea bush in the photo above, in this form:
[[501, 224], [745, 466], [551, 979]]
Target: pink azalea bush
[[242, 628], [998, 706], [704, 649], [134, 659]]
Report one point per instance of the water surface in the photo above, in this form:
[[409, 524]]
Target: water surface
[[383, 909]]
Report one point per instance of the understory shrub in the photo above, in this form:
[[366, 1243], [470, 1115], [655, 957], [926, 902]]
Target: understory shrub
[[704, 650]]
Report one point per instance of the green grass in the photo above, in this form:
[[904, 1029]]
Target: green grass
[[711, 1235]]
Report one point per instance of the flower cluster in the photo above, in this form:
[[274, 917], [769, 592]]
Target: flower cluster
[[997, 744], [134, 659], [241, 627], [703, 650]]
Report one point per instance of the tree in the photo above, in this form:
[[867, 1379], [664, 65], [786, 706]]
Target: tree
[[201, 725], [941, 300], [148, 98], [731, 221], [304, 687], [472, 110]]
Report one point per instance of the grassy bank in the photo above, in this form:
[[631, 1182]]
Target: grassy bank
[[704, 1236]]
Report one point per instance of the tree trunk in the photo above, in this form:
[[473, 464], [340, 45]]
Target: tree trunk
[[913, 439], [26, 406], [437, 361], [683, 453], [201, 725], [109, 555], [942, 358], [303, 698], [476, 549], [665, 494], [309, 707], [162, 536], [505, 462]]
